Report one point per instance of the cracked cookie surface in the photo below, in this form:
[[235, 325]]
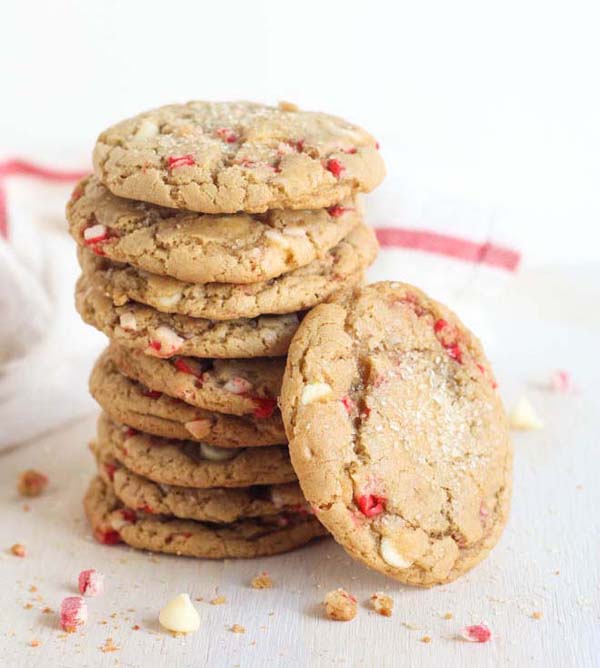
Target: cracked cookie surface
[[218, 504], [223, 157], [203, 248], [235, 387], [133, 404], [192, 464], [113, 522], [168, 334], [340, 269], [397, 435]]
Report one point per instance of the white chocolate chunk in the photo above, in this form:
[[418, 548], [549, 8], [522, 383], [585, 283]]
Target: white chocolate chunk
[[238, 385], [199, 428], [315, 392], [391, 556], [128, 322], [277, 238], [168, 301], [179, 615], [215, 454], [524, 417], [146, 130]]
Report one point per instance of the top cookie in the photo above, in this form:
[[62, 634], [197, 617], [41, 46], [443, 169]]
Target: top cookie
[[203, 248], [396, 433], [224, 157]]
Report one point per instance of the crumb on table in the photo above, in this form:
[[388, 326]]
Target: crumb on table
[[382, 604], [340, 606]]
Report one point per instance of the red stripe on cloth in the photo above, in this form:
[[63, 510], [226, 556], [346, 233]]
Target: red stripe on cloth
[[443, 244], [25, 168]]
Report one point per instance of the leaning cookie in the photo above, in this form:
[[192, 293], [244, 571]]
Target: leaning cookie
[[397, 434], [202, 248], [220, 505], [234, 387], [133, 404], [167, 334], [192, 464], [112, 523], [223, 157], [340, 269]]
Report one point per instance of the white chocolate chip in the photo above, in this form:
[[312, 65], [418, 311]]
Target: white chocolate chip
[[199, 428], [146, 130], [391, 555], [238, 385], [95, 232], [168, 301], [179, 615], [315, 392], [128, 321], [277, 238], [215, 454], [294, 232], [169, 340], [524, 417]]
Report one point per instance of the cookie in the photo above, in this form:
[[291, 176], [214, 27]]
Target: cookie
[[397, 435], [166, 334], [235, 387], [203, 248], [341, 269], [133, 404], [112, 523], [223, 157], [191, 464], [220, 505]]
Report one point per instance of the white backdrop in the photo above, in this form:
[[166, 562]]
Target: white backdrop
[[492, 103]]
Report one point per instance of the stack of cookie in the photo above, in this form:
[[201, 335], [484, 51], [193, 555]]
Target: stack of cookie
[[204, 235]]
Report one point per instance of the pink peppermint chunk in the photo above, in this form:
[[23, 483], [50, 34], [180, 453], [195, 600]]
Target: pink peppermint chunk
[[476, 633], [73, 613], [91, 583]]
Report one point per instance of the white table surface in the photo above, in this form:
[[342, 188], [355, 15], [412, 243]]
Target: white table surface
[[547, 560]]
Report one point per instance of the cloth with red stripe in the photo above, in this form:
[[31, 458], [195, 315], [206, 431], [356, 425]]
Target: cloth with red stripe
[[453, 250]]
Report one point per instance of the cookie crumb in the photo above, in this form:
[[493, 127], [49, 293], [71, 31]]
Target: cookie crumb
[[382, 604], [28, 606], [136, 627], [523, 417], [218, 600], [340, 606], [35, 643], [109, 646], [426, 639], [237, 628], [288, 106], [537, 614], [448, 615], [32, 483], [47, 610], [262, 581], [18, 550], [475, 633]]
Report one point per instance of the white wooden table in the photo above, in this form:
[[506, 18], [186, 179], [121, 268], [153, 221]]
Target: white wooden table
[[548, 559]]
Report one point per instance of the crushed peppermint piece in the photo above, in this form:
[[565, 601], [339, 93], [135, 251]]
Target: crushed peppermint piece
[[32, 483], [227, 135], [335, 167], [261, 581], [382, 604], [476, 633], [91, 583], [73, 613], [179, 615], [238, 385], [95, 234], [561, 381], [371, 505], [174, 162], [340, 606], [338, 210], [169, 341], [264, 408]]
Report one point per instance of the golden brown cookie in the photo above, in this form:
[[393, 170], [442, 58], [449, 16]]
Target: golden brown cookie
[[203, 248], [341, 268], [219, 504], [167, 334], [112, 523], [192, 464], [235, 387], [397, 435], [223, 157], [135, 405]]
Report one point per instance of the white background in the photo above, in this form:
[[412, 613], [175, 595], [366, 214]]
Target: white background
[[497, 103]]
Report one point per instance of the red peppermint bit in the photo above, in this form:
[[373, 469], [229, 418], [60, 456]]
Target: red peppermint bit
[[107, 536], [335, 167], [366, 412], [73, 613], [186, 367], [145, 508], [91, 583], [130, 431], [110, 469], [337, 210], [152, 394], [455, 352], [298, 145], [156, 345], [483, 511], [175, 161], [350, 151], [377, 146], [129, 515], [439, 325], [265, 407], [371, 505], [77, 192], [561, 381], [481, 368], [227, 135], [348, 404], [476, 633]]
